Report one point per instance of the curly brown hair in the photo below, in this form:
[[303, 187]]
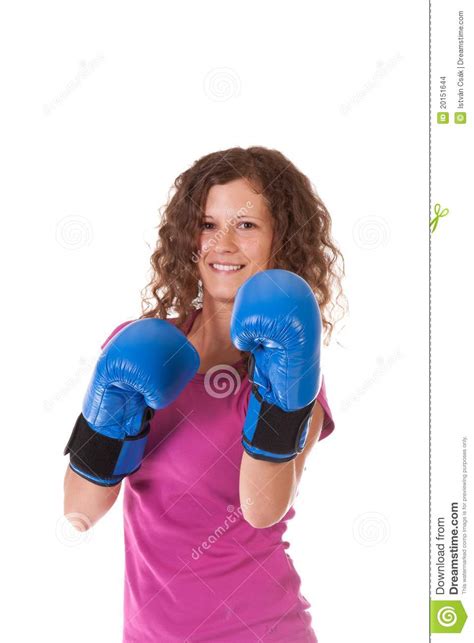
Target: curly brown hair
[[302, 241]]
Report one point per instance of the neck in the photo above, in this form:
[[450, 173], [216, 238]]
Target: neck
[[212, 326]]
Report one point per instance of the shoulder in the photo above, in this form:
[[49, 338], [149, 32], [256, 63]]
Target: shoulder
[[321, 425], [328, 421], [116, 330]]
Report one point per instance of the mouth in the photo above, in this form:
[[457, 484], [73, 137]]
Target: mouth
[[226, 268]]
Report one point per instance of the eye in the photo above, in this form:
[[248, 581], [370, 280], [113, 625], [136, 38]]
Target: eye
[[248, 223], [205, 223]]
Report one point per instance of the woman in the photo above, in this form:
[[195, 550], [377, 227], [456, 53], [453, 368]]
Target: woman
[[204, 518]]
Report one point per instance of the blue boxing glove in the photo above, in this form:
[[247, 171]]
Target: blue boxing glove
[[277, 319], [144, 367]]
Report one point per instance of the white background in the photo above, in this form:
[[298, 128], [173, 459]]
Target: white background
[[104, 104]]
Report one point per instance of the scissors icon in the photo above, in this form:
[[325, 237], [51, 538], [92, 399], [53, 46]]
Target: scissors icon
[[439, 214]]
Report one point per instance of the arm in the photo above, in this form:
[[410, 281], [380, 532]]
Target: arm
[[86, 498], [268, 489], [141, 368]]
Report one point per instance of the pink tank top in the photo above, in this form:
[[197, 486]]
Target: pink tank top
[[195, 570]]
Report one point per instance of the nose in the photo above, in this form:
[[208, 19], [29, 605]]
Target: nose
[[225, 241]]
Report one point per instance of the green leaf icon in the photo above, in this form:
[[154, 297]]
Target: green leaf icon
[[447, 617]]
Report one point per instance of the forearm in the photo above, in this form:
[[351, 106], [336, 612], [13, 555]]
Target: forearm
[[90, 500], [267, 490]]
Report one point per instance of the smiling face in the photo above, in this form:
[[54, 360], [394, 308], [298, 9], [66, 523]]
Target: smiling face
[[236, 230]]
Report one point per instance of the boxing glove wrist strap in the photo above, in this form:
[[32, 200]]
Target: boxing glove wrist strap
[[272, 434], [105, 460]]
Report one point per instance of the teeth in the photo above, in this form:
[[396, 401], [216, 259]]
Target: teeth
[[220, 266]]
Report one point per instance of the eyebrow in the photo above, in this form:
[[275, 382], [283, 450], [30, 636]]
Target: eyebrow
[[239, 216]]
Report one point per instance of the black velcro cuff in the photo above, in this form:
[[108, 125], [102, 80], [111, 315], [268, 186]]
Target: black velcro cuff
[[99, 455], [268, 457], [279, 431]]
